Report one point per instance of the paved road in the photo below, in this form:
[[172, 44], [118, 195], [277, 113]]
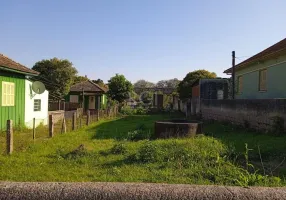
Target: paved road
[[120, 191]]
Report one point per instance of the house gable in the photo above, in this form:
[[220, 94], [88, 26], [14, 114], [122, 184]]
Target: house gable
[[87, 86], [271, 52], [8, 64]]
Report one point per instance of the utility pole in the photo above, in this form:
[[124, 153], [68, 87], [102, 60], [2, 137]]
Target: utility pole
[[233, 74]]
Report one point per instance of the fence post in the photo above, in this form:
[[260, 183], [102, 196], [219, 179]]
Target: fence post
[[80, 121], [74, 121], [88, 117], [51, 126], [34, 127], [64, 126], [97, 114], [9, 136]]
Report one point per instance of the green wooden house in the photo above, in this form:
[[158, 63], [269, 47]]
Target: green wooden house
[[88, 94], [17, 101], [262, 76]]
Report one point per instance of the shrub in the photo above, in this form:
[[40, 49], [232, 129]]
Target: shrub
[[141, 111], [148, 153], [119, 148], [138, 135], [176, 154], [127, 110]]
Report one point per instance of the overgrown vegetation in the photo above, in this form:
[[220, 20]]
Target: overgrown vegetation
[[127, 110], [121, 150]]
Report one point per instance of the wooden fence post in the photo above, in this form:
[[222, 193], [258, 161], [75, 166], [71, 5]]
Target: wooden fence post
[[34, 128], [9, 136], [64, 126], [80, 121], [74, 121], [97, 114], [51, 126], [88, 117]]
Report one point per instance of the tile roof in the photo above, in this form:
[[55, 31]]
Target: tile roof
[[11, 64], [272, 50], [87, 86]]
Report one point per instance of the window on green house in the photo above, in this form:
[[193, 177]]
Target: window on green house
[[8, 94], [262, 80], [37, 104], [240, 82]]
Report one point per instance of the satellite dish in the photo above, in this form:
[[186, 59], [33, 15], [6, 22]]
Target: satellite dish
[[38, 87]]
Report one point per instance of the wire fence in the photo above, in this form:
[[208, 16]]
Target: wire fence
[[20, 138]]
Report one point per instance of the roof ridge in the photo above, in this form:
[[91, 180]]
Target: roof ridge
[[12, 64], [266, 50], [11, 59], [273, 49], [96, 85]]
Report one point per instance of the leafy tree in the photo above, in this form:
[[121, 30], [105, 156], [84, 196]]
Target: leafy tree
[[78, 79], [171, 83], [98, 81], [146, 97], [185, 88], [140, 86], [119, 88], [143, 84], [59, 72], [161, 84]]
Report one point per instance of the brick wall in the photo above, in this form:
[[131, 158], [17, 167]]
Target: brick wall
[[256, 112]]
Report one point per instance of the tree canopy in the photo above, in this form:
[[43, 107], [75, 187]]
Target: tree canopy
[[119, 88], [185, 88], [59, 72], [171, 83], [140, 85], [143, 84], [78, 79], [99, 82]]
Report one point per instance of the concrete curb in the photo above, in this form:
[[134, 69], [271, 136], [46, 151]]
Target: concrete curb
[[120, 191]]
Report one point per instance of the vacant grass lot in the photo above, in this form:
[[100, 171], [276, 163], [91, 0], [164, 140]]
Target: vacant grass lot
[[115, 150]]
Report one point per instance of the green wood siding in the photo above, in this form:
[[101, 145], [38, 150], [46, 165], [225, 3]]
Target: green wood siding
[[16, 112], [103, 101], [275, 80]]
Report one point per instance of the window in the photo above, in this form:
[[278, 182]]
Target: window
[[74, 98], [262, 80], [240, 84], [8, 94], [37, 104]]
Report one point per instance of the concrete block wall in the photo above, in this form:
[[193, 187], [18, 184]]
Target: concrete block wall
[[257, 112]]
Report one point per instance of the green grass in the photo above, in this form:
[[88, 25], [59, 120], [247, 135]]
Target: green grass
[[108, 156]]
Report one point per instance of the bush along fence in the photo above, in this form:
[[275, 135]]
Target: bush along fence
[[59, 123]]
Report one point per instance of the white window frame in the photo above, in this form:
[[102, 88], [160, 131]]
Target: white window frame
[[8, 93]]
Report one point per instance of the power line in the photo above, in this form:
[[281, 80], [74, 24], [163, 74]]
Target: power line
[[240, 57]]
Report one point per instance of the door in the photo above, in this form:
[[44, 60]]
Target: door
[[91, 102]]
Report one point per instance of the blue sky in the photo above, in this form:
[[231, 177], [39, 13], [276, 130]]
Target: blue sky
[[142, 39]]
